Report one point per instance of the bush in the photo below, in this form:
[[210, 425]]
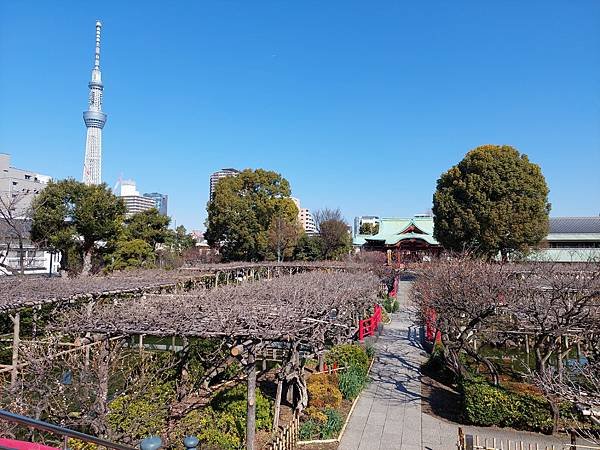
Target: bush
[[323, 391], [309, 430], [315, 414], [233, 401], [222, 424], [333, 425], [139, 417], [351, 382], [326, 426], [391, 305], [370, 350], [484, 404], [211, 428], [349, 355]]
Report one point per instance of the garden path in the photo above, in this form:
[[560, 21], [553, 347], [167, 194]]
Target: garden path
[[388, 414]]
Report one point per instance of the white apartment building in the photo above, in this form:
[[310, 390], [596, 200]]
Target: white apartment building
[[305, 218], [19, 185]]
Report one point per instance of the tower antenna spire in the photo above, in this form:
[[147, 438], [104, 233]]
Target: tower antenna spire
[[97, 57]]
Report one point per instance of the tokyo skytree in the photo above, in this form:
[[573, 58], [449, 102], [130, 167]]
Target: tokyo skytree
[[94, 120]]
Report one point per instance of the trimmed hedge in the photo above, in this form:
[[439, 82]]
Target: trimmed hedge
[[486, 405]]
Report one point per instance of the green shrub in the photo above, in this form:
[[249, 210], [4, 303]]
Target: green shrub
[[487, 405], [233, 401], [144, 415], [333, 425], [391, 305], [211, 428], [309, 430], [351, 382], [484, 404], [370, 350], [323, 391], [347, 355]]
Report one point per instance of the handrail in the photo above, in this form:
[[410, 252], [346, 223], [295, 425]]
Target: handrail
[[61, 431]]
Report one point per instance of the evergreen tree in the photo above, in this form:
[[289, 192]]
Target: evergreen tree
[[493, 201]]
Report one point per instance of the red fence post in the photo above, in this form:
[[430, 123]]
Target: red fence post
[[361, 330]]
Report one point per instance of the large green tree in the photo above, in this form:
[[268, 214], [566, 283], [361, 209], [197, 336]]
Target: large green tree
[[70, 215], [241, 211], [494, 201], [149, 226]]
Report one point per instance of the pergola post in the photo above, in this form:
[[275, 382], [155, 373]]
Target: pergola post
[[16, 320], [251, 410], [278, 401]]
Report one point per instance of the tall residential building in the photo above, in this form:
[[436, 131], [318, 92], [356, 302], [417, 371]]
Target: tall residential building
[[94, 120], [19, 186], [305, 218], [134, 202], [215, 177], [160, 201]]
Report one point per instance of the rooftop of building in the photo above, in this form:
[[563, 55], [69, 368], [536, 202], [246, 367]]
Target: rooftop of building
[[576, 225], [395, 229]]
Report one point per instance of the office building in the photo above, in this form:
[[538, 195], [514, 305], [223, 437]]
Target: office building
[[160, 201], [134, 202]]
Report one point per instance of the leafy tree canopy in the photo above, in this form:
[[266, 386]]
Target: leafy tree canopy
[[242, 209], [149, 226], [70, 214], [179, 240], [309, 248], [134, 253], [494, 200]]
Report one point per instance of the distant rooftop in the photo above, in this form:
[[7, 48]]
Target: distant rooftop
[[575, 224]]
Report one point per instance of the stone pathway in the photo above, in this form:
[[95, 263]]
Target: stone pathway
[[388, 413]]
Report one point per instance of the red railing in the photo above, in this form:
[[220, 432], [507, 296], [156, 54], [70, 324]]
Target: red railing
[[368, 327]]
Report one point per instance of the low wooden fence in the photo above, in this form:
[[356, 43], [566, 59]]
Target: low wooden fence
[[287, 437], [368, 327], [475, 442]]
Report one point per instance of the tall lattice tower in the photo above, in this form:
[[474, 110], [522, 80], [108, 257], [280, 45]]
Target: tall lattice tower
[[94, 120]]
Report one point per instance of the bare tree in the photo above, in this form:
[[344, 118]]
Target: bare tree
[[283, 235], [333, 230], [14, 226], [581, 387]]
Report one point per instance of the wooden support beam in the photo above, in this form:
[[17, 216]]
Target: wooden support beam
[[251, 403], [278, 401], [16, 320]]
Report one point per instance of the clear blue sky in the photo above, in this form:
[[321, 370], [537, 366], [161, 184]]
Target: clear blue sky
[[360, 105]]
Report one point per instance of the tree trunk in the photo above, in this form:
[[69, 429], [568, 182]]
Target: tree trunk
[[101, 403], [21, 257], [251, 403], [87, 262]]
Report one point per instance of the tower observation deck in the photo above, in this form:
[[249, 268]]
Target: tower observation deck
[[94, 120]]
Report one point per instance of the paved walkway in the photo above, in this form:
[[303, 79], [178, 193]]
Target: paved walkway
[[388, 413]]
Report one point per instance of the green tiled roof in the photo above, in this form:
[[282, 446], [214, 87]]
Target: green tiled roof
[[392, 231]]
